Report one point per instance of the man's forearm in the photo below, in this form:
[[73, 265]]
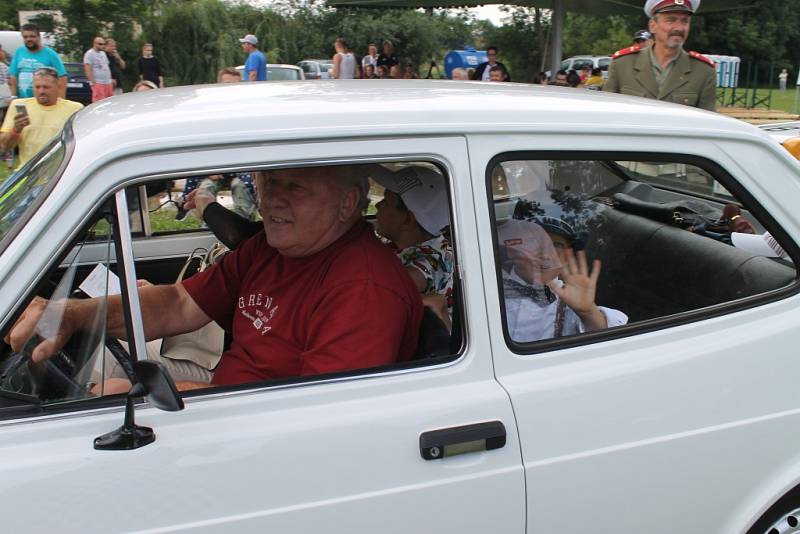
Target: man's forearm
[[8, 141], [62, 86], [87, 69], [165, 312], [12, 85]]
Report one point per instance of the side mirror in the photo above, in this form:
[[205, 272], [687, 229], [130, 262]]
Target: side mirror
[[155, 384]]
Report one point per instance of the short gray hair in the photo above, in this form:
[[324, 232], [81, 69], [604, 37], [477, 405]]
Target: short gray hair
[[355, 176]]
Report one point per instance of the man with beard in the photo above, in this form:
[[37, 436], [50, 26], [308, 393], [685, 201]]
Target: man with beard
[[30, 58], [665, 71]]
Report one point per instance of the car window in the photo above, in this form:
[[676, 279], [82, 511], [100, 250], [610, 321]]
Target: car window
[[581, 63], [590, 245], [21, 192], [282, 73], [427, 268], [77, 370], [75, 69], [604, 63]]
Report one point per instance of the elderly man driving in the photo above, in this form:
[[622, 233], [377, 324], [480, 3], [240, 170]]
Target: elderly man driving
[[317, 293]]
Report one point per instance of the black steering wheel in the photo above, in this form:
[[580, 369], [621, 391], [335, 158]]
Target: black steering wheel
[[55, 378]]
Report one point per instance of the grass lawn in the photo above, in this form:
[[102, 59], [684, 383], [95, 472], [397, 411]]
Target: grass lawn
[[781, 100]]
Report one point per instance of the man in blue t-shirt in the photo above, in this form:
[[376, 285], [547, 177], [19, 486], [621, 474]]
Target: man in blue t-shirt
[[255, 68], [29, 59]]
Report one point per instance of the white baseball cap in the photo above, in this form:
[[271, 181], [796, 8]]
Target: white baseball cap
[[653, 7], [423, 192], [249, 38]]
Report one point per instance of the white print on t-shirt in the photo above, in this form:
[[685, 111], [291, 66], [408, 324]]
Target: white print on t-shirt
[[258, 309]]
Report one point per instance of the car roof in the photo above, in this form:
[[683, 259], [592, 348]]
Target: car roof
[[208, 115]]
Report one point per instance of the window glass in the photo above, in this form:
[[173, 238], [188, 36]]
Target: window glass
[[76, 371], [604, 63], [20, 190], [589, 244]]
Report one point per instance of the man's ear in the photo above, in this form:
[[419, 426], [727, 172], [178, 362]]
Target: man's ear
[[349, 203], [651, 26]]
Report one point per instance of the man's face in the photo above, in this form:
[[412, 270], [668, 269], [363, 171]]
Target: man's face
[[99, 43], [492, 56], [304, 210], [147, 51], [230, 78], [670, 29], [561, 79], [373, 50], [111, 45], [495, 76], [32, 40], [45, 89], [390, 217], [247, 47]]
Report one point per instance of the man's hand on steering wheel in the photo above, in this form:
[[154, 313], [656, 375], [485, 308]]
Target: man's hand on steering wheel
[[26, 328]]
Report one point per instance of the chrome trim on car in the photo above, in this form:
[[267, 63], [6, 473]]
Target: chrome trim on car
[[126, 242]]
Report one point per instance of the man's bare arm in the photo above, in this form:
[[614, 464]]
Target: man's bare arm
[[87, 69], [62, 86], [166, 310], [12, 85], [8, 141]]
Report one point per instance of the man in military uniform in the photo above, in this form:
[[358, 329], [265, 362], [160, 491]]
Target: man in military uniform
[[665, 71]]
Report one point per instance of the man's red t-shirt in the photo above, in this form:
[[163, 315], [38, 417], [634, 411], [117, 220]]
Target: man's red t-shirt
[[349, 306]]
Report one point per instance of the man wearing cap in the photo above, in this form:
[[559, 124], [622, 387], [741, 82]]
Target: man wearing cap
[[642, 39], [665, 71], [411, 215], [255, 68]]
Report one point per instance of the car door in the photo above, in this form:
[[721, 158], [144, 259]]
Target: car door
[[684, 419], [343, 454]]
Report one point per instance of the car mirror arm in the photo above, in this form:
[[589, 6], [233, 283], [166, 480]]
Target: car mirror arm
[[157, 387]]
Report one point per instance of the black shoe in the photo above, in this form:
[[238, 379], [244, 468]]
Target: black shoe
[[181, 215]]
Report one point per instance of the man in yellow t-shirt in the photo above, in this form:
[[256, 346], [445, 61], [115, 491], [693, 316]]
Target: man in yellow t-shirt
[[43, 117]]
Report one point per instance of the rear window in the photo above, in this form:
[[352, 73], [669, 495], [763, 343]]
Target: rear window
[[279, 73], [74, 69]]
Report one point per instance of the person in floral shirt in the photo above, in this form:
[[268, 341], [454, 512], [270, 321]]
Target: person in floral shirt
[[412, 216]]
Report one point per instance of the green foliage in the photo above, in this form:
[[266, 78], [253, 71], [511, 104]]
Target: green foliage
[[204, 29], [595, 36]]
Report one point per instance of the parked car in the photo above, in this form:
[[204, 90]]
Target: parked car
[[316, 69], [279, 72], [684, 419], [78, 87], [577, 63]]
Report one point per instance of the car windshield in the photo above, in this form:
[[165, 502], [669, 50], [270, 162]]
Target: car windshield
[[282, 73], [21, 190]]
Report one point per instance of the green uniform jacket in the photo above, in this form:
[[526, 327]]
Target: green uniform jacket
[[692, 81]]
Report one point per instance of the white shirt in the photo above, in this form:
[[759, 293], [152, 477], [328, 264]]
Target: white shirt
[[528, 321], [99, 62]]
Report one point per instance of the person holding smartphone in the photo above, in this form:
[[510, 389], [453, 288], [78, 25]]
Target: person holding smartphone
[[32, 122]]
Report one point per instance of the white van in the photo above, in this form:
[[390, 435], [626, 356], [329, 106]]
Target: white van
[[10, 41]]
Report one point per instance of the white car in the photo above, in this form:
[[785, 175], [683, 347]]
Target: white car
[[685, 419], [577, 63], [317, 69], [279, 72]]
